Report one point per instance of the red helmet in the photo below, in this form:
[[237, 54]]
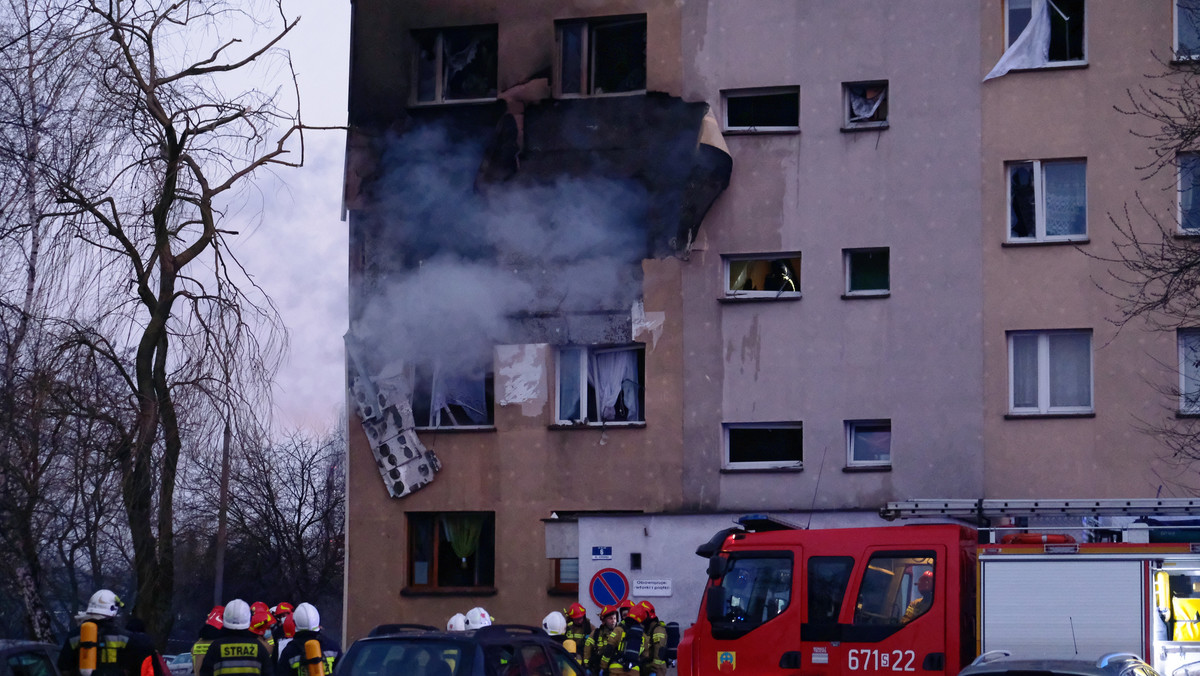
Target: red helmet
[[625, 605], [259, 607], [637, 613], [282, 609], [216, 617], [289, 626], [605, 611], [261, 621], [649, 607], [576, 611]]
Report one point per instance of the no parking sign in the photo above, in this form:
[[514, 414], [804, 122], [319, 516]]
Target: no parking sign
[[609, 587]]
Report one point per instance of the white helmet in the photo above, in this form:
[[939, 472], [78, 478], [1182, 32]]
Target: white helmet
[[237, 614], [555, 624], [305, 616], [104, 603], [457, 622], [478, 617]]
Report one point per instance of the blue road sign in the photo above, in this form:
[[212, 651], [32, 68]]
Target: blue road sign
[[609, 587]]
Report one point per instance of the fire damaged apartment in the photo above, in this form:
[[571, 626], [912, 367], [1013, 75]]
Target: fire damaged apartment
[[623, 270]]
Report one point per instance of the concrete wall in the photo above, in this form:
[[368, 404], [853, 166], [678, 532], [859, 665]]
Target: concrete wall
[[912, 357], [1069, 113]]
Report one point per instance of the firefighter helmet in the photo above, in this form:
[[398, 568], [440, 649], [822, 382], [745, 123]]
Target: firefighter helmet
[[104, 603], [576, 611], [925, 582], [555, 624], [649, 607], [307, 618], [237, 615], [605, 611], [457, 622], [637, 613], [260, 621], [214, 617], [478, 617], [259, 607], [282, 609]]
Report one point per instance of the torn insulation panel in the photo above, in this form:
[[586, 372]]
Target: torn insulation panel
[[404, 463]]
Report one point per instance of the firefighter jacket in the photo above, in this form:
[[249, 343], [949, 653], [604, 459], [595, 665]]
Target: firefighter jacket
[[579, 633], [200, 647], [120, 652], [237, 652], [654, 650], [623, 648], [294, 662], [594, 647]]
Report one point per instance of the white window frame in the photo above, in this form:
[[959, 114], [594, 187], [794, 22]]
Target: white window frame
[[1182, 188], [587, 57], [727, 94], [1039, 201], [849, 124], [853, 426], [1043, 371], [439, 97], [1008, 24], [794, 258], [584, 365], [866, 293], [1050, 63], [1175, 20], [1183, 335], [726, 463]]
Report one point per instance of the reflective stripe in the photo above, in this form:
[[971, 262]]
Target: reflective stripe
[[223, 664], [200, 649], [256, 669]]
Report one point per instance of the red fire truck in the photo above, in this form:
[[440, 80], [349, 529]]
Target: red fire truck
[[928, 598]]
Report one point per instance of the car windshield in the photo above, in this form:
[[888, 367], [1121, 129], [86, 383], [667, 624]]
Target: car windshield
[[30, 664], [405, 658], [182, 658]]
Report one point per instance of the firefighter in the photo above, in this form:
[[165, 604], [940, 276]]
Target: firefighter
[[237, 651], [285, 627], [919, 606], [623, 651], [119, 652], [579, 627], [654, 654], [208, 631], [261, 622], [625, 606], [293, 660], [598, 639]]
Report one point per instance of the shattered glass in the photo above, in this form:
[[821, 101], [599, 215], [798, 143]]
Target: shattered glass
[[469, 63]]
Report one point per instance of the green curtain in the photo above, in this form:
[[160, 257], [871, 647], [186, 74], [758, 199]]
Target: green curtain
[[462, 532]]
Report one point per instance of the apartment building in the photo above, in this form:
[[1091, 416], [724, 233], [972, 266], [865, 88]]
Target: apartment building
[[622, 270]]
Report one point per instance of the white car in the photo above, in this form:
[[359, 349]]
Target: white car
[[181, 664]]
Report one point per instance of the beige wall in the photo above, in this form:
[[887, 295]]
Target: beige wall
[[1069, 113]]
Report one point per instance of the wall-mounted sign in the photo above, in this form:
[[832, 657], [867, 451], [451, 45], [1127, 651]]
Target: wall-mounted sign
[[602, 553], [609, 587], [651, 588]]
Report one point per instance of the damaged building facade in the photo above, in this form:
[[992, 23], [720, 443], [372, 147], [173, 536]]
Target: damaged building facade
[[624, 269]]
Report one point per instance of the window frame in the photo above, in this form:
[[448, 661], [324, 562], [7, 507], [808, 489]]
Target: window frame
[[587, 56], [428, 383], [1050, 63], [852, 426], [489, 530], [866, 125], [439, 97], [1180, 335], [588, 351], [1043, 407], [795, 260], [1039, 202], [557, 583], [848, 267], [1175, 23], [727, 94], [728, 464], [1182, 160]]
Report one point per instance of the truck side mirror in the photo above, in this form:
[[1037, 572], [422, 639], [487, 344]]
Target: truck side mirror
[[714, 603], [716, 567]]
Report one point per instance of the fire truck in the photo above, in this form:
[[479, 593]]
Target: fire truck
[[927, 598]]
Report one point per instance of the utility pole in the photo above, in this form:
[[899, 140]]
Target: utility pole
[[222, 509]]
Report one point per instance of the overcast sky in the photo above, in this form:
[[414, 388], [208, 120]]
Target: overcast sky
[[298, 253]]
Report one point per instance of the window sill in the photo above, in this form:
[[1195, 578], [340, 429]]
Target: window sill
[[458, 429], [1046, 242], [601, 95], [451, 102], [1059, 65], [448, 591], [1188, 61], [761, 470], [763, 131], [759, 299], [856, 469], [1045, 416], [866, 296], [871, 126], [1184, 234], [597, 426], [1182, 415]]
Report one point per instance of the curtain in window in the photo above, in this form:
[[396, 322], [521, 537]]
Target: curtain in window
[[1188, 28], [569, 365], [1031, 49], [862, 104], [614, 374], [1189, 191], [1066, 198], [462, 532], [468, 392], [1025, 371], [1070, 369], [1189, 366]]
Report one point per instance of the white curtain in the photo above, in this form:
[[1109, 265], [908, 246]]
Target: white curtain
[[1025, 370], [1031, 49], [1070, 369], [1066, 197], [1189, 184], [1189, 367], [862, 106], [467, 392], [614, 373]]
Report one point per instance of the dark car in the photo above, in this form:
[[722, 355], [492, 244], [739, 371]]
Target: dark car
[[28, 658], [498, 650], [1002, 663]]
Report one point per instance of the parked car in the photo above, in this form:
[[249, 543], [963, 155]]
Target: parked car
[[1002, 663], [180, 665], [497, 650], [28, 658]]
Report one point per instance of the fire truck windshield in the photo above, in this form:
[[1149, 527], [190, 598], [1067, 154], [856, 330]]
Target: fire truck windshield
[[756, 589]]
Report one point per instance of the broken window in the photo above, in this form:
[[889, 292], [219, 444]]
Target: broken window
[[776, 276], [770, 109], [601, 385], [442, 398], [764, 445], [451, 549], [455, 64], [1189, 371], [1189, 193], [869, 443], [865, 105], [867, 272], [1041, 33], [1047, 200], [602, 56], [1187, 29], [1050, 372]]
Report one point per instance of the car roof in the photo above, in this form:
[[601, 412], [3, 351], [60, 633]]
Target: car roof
[[496, 633], [7, 644], [998, 661]]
